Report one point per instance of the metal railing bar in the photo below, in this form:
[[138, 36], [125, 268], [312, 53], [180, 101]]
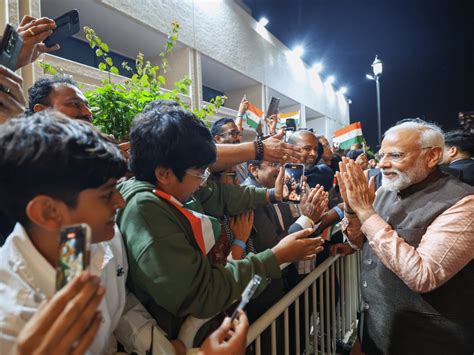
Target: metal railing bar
[[278, 308]]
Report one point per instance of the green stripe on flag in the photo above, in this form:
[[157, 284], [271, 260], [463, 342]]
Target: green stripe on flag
[[347, 143], [250, 122]]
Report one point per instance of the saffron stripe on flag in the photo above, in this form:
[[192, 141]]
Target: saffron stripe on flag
[[346, 129], [207, 231], [348, 135]]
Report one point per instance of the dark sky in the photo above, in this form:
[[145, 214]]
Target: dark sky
[[427, 47]]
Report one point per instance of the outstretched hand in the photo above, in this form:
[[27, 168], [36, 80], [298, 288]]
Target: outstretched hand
[[229, 339], [67, 323], [314, 202], [298, 247], [277, 151], [12, 101], [271, 123], [34, 31]]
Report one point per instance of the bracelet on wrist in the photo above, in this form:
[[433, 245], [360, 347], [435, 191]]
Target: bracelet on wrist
[[240, 244], [259, 150], [339, 212]]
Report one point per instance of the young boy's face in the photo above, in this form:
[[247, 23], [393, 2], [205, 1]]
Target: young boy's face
[[97, 207]]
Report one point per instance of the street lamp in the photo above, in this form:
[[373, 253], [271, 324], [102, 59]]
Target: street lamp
[[377, 68]]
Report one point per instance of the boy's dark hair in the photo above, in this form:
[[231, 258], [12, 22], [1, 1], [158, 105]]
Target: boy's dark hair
[[464, 141], [174, 139], [50, 154], [39, 92], [162, 106], [216, 126]]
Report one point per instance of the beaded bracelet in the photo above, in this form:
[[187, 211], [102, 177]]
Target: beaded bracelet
[[258, 148]]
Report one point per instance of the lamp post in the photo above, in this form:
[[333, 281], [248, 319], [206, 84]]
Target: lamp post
[[377, 68]]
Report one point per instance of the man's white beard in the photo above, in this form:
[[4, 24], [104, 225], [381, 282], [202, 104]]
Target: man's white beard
[[405, 179]]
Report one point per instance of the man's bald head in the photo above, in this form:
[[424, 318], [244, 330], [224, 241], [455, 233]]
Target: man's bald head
[[307, 141], [297, 136]]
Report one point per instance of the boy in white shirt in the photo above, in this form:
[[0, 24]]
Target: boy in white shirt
[[54, 172]]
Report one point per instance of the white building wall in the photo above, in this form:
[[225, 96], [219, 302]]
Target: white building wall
[[225, 32]]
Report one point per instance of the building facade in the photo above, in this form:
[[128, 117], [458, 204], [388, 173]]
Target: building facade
[[220, 47]]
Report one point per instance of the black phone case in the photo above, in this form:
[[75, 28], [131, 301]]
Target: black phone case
[[11, 47], [66, 25], [273, 107]]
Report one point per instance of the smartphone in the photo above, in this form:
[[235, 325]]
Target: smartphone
[[247, 295], [288, 132], [74, 253], [273, 106], [293, 183], [66, 26], [291, 123], [10, 48]]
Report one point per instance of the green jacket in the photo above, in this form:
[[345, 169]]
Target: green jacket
[[167, 271]]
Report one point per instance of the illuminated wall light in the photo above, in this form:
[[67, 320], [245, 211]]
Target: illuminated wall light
[[298, 51], [318, 67], [342, 90], [330, 80], [263, 22]]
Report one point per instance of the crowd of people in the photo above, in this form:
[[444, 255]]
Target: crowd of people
[[185, 217]]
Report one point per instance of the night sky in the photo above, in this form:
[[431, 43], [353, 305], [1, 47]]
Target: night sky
[[427, 47]]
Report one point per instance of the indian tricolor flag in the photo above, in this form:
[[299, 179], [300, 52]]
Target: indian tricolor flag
[[347, 136], [253, 115], [205, 231]]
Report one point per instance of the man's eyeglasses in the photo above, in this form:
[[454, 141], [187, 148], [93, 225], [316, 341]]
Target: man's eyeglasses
[[204, 176], [232, 133], [395, 156]]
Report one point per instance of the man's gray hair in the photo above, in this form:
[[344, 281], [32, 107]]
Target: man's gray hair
[[431, 134]]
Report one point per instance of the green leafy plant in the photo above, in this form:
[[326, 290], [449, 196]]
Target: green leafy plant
[[115, 104]]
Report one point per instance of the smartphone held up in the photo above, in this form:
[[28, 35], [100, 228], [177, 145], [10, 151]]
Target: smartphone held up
[[66, 26], [10, 48], [293, 183], [74, 253]]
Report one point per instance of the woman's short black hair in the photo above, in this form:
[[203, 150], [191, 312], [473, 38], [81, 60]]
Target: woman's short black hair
[[173, 138], [50, 154]]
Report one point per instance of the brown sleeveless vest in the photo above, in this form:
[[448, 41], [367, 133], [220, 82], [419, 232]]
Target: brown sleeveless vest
[[397, 320]]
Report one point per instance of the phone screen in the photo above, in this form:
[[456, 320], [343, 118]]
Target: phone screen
[[288, 133], [293, 183], [74, 249]]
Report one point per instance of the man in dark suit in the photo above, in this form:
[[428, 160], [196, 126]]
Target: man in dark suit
[[458, 154]]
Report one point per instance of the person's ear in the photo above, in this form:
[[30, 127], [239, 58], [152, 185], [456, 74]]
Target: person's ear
[[453, 151], [164, 176], [435, 156], [39, 107], [218, 139], [253, 170], [46, 212]]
